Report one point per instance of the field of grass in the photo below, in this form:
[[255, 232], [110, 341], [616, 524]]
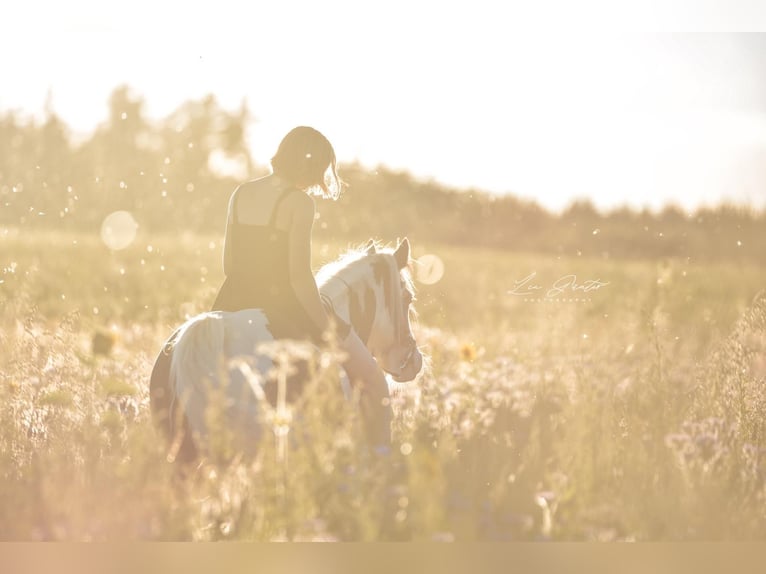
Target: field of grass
[[634, 411]]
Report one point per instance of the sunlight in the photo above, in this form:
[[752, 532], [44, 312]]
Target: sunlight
[[180, 362], [621, 118]]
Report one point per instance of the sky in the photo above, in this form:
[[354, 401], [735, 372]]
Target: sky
[[484, 95]]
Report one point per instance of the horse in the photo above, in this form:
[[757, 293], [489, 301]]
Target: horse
[[370, 289]]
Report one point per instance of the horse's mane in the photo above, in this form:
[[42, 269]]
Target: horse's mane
[[353, 256], [345, 260]]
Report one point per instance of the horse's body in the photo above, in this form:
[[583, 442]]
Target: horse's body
[[370, 290]]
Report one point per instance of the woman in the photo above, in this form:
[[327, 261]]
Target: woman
[[267, 261]]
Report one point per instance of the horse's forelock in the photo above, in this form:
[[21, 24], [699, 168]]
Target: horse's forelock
[[391, 278]]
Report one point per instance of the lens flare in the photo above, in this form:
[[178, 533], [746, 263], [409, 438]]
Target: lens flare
[[118, 230], [429, 269]]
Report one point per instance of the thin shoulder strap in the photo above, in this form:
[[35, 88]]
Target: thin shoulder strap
[[277, 203]]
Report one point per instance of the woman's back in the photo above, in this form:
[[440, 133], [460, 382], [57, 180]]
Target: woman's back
[[256, 258]]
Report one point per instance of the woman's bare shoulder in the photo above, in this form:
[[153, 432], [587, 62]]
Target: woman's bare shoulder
[[299, 204], [266, 181]]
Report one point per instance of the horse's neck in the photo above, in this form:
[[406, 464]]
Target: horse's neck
[[350, 284]]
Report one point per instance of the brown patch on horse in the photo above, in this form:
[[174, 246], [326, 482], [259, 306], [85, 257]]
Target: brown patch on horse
[[383, 276], [362, 310], [165, 412]]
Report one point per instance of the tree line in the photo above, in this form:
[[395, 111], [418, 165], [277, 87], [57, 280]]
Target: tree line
[[177, 174]]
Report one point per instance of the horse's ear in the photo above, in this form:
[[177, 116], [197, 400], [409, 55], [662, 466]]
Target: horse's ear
[[402, 253], [370, 247]]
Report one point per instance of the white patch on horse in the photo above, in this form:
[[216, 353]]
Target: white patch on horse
[[206, 344], [201, 361]]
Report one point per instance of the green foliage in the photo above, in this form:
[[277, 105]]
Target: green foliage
[[176, 174]]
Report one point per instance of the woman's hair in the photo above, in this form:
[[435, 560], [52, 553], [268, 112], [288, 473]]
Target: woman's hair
[[306, 159]]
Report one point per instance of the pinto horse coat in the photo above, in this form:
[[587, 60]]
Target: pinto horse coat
[[368, 289]]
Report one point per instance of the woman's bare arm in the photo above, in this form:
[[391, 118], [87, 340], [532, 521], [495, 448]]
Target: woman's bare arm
[[227, 263], [301, 277]]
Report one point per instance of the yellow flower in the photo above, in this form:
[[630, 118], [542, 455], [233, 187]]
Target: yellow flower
[[103, 342], [468, 352]]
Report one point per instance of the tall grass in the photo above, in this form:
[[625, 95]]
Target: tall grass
[[635, 415]]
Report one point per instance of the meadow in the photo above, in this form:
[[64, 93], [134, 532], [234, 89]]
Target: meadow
[[634, 411]]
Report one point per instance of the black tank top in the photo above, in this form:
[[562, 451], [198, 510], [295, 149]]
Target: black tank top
[[259, 277]]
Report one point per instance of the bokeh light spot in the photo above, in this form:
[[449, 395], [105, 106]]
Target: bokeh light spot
[[429, 269], [118, 230]]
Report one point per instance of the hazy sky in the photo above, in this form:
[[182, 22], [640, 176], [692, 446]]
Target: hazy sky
[[461, 92]]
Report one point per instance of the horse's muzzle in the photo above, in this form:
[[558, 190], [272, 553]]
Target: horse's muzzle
[[410, 367]]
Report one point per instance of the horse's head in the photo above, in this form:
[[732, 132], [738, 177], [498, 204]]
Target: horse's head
[[374, 292]]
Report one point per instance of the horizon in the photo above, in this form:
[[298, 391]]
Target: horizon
[[224, 168], [636, 119]]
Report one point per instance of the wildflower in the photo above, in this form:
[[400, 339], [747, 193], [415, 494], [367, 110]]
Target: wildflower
[[103, 342], [676, 440], [468, 352], [547, 501]]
